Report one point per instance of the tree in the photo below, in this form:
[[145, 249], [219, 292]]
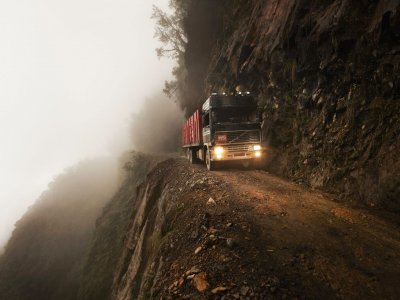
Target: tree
[[169, 30]]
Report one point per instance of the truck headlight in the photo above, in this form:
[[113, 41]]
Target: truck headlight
[[257, 147], [218, 150]]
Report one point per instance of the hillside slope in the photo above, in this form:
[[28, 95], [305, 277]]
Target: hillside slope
[[237, 233], [44, 257], [112, 227], [176, 231]]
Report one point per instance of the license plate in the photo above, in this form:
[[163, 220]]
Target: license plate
[[223, 138], [240, 154]]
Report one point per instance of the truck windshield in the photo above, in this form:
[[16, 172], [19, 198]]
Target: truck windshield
[[234, 115]]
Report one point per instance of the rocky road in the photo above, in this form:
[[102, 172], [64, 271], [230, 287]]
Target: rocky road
[[246, 234]]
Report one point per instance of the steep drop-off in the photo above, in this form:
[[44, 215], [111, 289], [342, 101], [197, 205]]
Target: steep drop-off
[[176, 231], [112, 226], [326, 74], [237, 234], [69, 242], [44, 257]]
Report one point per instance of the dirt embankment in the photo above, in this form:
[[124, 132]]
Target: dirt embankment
[[238, 234]]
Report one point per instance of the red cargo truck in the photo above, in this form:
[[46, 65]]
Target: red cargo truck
[[225, 128]]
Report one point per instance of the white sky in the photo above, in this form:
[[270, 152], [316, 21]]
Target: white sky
[[72, 72]]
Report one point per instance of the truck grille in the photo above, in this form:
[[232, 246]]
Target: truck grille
[[238, 148], [237, 137]]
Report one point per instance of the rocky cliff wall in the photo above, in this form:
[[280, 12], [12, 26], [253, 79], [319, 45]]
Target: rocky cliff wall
[[109, 246], [326, 74]]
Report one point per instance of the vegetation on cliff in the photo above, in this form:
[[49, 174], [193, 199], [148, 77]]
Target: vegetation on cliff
[[45, 255]]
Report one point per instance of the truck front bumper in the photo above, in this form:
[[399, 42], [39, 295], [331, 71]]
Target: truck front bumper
[[236, 152]]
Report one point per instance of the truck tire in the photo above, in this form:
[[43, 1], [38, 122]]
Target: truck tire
[[209, 163], [191, 155]]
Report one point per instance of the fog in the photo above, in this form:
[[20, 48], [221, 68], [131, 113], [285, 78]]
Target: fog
[[72, 75], [52, 238], [156, 127]]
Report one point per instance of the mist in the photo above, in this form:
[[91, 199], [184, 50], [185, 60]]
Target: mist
[[156, 128], [72, 73], [51, 240]]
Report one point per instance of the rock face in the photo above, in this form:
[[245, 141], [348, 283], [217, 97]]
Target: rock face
[[122, 218], [326, 74], [122, 262]]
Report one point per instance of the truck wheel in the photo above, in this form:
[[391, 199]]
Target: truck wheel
[[191, 155], [210, 164]]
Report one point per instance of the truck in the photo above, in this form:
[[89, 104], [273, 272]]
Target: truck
[[225, 128]]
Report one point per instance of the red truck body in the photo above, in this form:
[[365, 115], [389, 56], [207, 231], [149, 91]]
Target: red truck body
[[192, 130]]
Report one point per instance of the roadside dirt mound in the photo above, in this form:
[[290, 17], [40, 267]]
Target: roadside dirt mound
[[238, 234]]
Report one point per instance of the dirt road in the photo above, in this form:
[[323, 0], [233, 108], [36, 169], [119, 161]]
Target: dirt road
[[261, 237]]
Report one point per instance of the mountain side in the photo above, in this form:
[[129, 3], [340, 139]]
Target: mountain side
[[176, 231], [238, 234], [326, 74], [44, 256], [112, 226]]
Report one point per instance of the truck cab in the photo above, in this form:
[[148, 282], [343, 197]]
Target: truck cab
[[229, 130]]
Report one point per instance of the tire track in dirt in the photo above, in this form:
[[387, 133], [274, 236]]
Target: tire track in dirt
[[352, 251]]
